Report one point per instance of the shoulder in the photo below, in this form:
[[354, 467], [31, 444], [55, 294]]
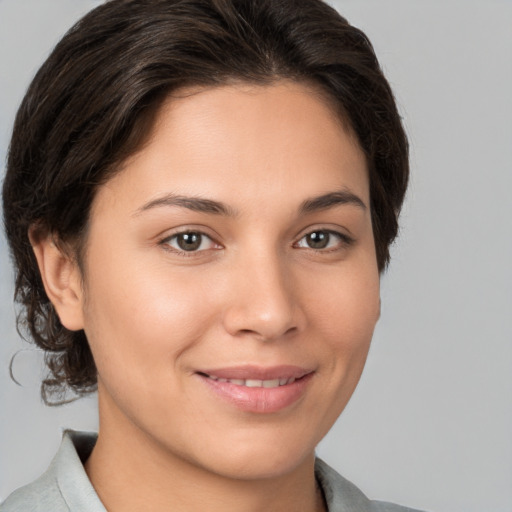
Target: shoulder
[[64, 486], [42, 495], [382, 506], [343, 496]]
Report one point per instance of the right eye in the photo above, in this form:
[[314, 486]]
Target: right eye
[[189, 241]]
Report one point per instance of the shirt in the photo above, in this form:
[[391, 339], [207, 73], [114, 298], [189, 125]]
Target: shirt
[[65, 487]]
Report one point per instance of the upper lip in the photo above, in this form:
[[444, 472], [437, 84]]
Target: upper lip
[[257, 372]]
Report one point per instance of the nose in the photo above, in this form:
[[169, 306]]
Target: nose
[[264, 300]]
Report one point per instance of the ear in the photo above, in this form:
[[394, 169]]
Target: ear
[[61, 279]]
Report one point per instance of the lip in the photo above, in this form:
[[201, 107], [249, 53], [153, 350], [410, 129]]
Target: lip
[[258, 399], [257, 372]]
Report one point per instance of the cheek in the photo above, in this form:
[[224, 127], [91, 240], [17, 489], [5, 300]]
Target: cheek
[[347, 302], [345, 312], [140, 317]]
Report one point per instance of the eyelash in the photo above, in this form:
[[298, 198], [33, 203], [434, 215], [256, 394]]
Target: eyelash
[[166, 242], [343, 240]]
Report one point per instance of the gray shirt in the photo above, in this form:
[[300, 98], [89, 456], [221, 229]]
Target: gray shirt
[[65, 486]]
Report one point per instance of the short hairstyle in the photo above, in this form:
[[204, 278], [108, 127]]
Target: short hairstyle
[[95, 98]]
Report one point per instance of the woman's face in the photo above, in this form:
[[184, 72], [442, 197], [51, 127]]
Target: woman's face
[[231, 284]]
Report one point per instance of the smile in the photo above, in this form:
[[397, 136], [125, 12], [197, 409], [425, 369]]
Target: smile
[[258, 390], [255, 383]]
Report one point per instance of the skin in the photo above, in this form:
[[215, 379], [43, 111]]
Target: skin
[[254, 293]]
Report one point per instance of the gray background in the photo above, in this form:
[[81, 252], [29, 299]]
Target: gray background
[[431, 422]]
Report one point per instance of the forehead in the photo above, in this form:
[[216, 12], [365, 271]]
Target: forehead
[[266, 108], [241, 139]]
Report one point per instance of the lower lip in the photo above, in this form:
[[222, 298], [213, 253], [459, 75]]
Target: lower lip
[[259, 400]]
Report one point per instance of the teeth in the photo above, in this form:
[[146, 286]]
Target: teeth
[[256, 383], [253, 383]]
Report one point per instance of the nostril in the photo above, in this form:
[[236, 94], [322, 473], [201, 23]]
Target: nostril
[[268, 336], [267, 310]]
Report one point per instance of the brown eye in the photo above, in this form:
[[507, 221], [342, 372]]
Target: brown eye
[[324, 239], [190, 241], [318, 239]]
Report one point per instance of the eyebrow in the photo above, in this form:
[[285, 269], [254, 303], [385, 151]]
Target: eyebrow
[[196, 204], [331, 199], [202, 205]]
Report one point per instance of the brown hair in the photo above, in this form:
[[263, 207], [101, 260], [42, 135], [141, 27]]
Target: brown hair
[[93, 100]]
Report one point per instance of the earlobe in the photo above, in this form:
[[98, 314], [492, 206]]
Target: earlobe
[[61, 279]]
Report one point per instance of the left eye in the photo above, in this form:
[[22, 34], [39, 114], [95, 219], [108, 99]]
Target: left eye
[[321, 239], [190, 241]]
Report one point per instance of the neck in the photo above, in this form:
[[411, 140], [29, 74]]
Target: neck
[[132, 472]]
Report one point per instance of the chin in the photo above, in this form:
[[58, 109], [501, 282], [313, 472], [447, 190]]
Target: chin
[[263, 465], [257, 456]]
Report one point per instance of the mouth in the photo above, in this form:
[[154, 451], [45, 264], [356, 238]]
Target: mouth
[[258, 390], [254, 383]]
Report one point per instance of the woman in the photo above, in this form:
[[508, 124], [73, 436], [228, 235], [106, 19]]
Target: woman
[[200, 198]]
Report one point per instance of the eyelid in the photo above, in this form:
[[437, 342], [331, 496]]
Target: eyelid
[[345, 239], [164, 240]]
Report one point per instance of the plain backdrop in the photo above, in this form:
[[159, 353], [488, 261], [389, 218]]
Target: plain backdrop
[[430, 424]]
